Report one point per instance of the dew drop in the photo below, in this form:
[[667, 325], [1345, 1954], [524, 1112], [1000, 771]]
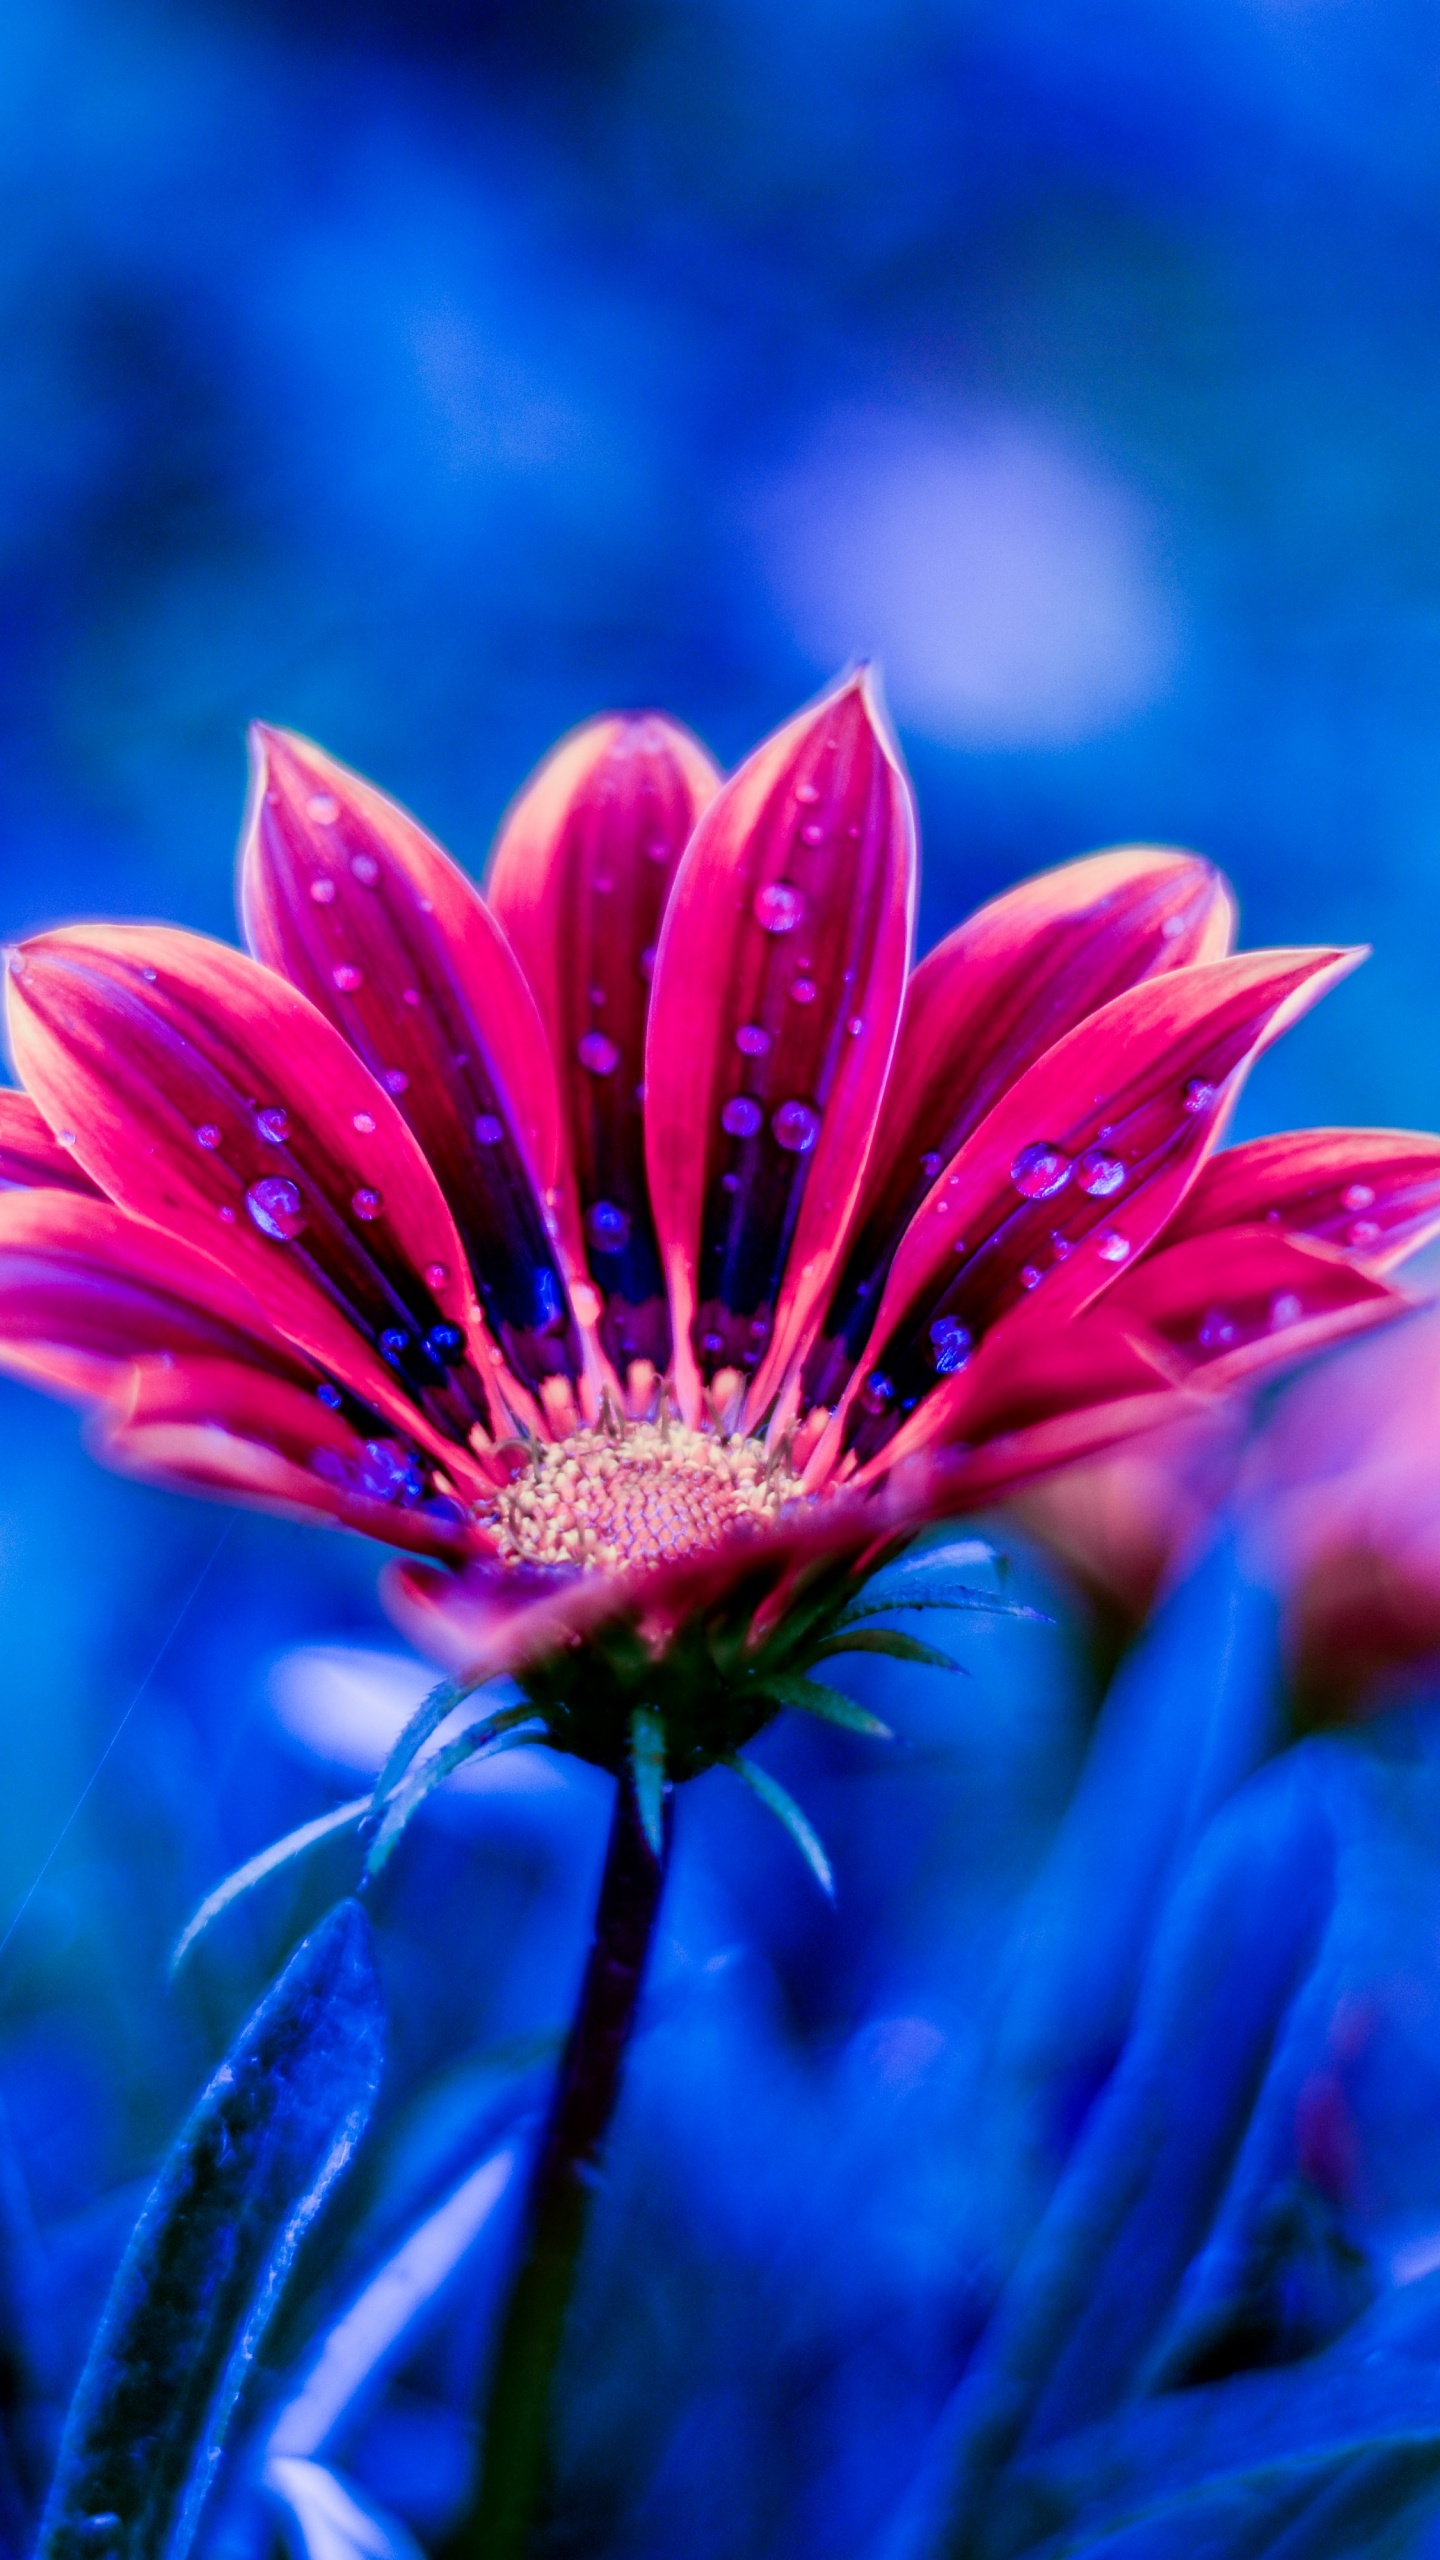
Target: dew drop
[[951, 1343], [1030, 1277], [149, 977], [228, 1216], [393, 1345], [1216, 1330], [366, 1203], [387, 1474], [930, 1165], [1362, 1231], [729, 1181], [274, 1126], [741, 1117], [807, 793], [323, 892], [878, 1392], [1040, 1170], [329, 1395], [1098, 1173], [710, 1343], [66, 1137], [1172, 928], [323, 808], [1359, 1196], [489, 1130], [364, 1121], [365, 869], [803, 991], [409, 995], [395, 1080], [796, 1127], [207, 1135], [436, 1274], [751, 1040], [1198, 1095], [275, 1206], [656, 849], [599, 1055], [855, 1025], [778, 907], [1113, 1247], [445, 1343], [346, 976], [814, 833], [609, 1227], [1285, 1308], [647, 961]]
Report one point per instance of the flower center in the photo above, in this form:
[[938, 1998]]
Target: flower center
[[637, 1497]]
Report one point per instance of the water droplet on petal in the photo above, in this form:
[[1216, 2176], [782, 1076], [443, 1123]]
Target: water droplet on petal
[[647, 961], [276, 1207], [1285, 1308], [395, 1080], [394, 1345], [364, 1121], [149, 977], [366, 1203], [878, 1392], [436, 1274], [1098, 1173], [1216, 1330], [778, 907], [1172, 927], [207, 1134], [323, 807], [329, 1395], [741, 1117], [803, 991], [752, 1040], [796, 1127], [274, 1126], [322, 891], [1362, 1231], [609, 1227], [1198, 1095], [365, 869], [930, 1164], [1359, 1196], [951, 1344], [729, 1181], [66, 1137], [409, 995], [346, 976], [1030, 1276], [1040, 1170], [445, 1343], [386, 1473], [489, 1130], [1113, 1247], [710, 1343], [814, 833], [599, 1055], [656, 849], [855, 1026], [807, 793]]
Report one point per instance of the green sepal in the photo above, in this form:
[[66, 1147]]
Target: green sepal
[[939, 1595], [431, 1713], [789, 1690], [778, 1800], [411, 1794], [647, 1768], [889, 1640], [256, 1869]]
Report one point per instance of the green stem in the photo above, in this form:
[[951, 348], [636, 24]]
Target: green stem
[[514, 2460]]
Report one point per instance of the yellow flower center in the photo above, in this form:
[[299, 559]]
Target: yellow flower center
[[638, 1496]]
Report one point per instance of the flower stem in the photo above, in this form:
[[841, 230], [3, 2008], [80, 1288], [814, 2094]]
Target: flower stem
[[514, 2459]]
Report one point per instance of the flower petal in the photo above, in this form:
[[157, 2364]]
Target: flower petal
[[85, 1290], [209, 1097], [349, 899], [581, 874], [1241, 1300], [777, 994], [31, 1156], [981, 1008], [1373, 1193], [1070, 1177], [217, 1426]]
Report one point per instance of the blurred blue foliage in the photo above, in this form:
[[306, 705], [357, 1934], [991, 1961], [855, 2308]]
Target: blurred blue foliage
[[427, 374]]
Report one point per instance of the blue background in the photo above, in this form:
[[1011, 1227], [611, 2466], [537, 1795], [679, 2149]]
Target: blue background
[[427, 376]]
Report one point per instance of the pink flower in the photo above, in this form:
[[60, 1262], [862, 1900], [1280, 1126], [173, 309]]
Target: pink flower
[[641, 1246]]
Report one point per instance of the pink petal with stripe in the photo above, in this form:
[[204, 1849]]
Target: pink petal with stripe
[[349, 899], [981, 1008], [776, 999], [1371, 1193], [1079, 1168], [580, 878], [208, 1096], [1241, 1300]]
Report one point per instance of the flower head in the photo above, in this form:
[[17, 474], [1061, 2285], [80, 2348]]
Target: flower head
[[642, 1245]]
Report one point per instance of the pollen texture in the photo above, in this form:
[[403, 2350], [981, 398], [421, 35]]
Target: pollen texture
[[647, 1493]]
